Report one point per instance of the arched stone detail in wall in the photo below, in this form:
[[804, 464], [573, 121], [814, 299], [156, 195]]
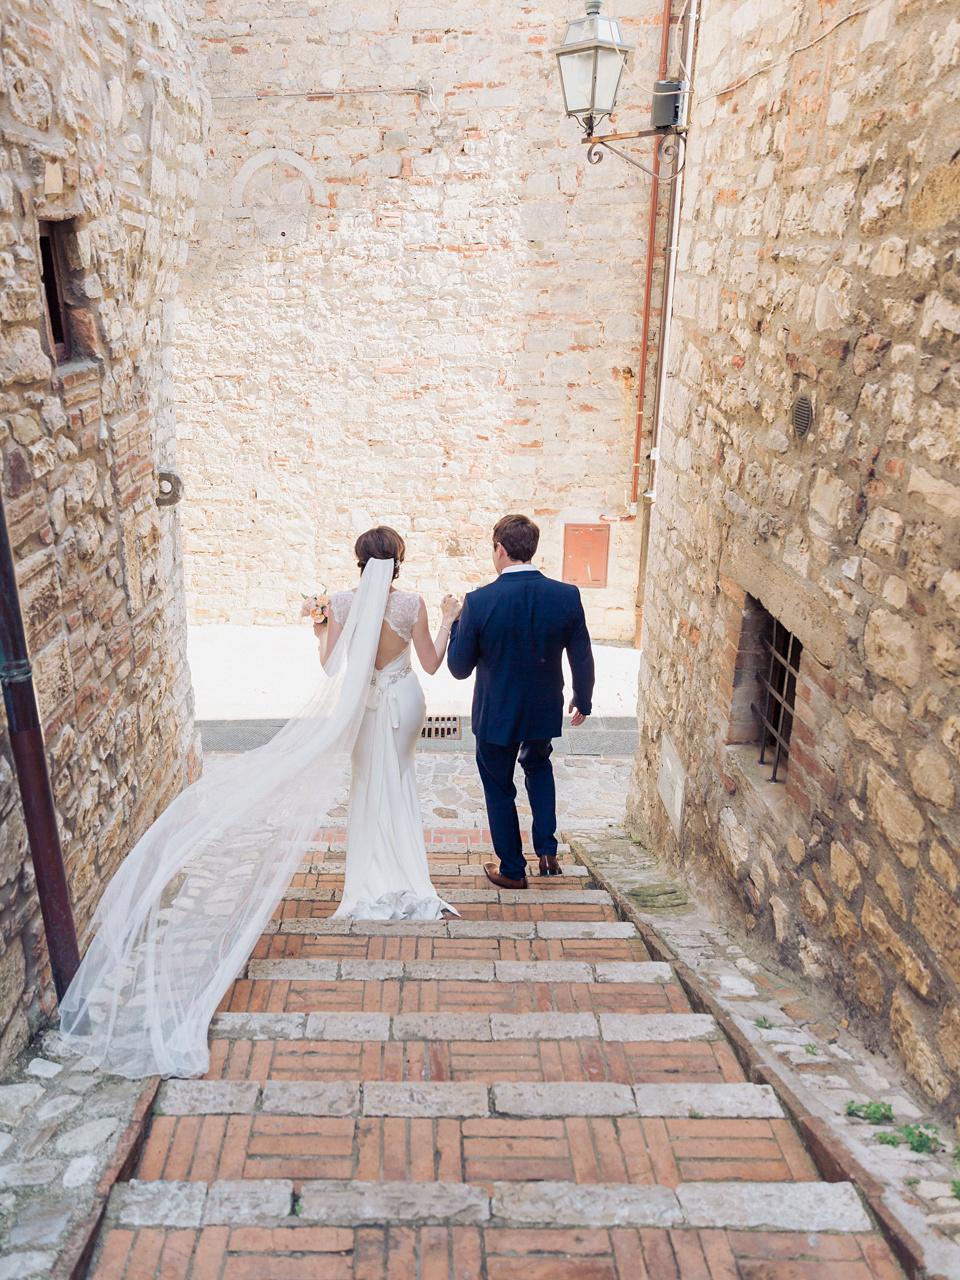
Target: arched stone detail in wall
[[271, 156], [279, 211]]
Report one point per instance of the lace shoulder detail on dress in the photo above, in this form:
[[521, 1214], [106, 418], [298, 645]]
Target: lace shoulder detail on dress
[[401, 612], [340, 603]]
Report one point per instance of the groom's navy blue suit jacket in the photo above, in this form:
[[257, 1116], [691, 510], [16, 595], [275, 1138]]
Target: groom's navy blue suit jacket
[[513, 632]]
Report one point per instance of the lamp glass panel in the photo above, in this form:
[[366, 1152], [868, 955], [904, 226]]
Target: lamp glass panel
[[579, 31], [610, 64], [576, 72]]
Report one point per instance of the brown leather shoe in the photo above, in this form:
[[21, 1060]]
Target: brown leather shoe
[[550, 867], [501, 881]]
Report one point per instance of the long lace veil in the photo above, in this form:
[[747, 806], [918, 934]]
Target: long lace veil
[[184, 910]]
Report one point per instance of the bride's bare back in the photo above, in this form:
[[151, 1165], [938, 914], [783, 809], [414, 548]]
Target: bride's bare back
[[391, 645], [405, 620]]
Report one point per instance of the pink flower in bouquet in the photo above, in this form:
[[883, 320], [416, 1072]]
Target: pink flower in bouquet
[[316, 607]]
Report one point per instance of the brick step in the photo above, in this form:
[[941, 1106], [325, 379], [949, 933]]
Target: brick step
[[546, 971], [657, 1028], [486, 894], [528, 907], [442, 865], [804, 1207], [458, 852], [302, 1251], [581, 1133], [535, 1061], [600, 930], [436, 1099], [273, 995], [477, 946], [642, 1151], [445, 885]]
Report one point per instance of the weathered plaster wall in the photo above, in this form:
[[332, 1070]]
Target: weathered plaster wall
[[819, 253], [100, 124], [403, 309]]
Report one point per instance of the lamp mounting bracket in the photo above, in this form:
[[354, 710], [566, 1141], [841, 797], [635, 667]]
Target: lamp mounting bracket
[[670, 150]]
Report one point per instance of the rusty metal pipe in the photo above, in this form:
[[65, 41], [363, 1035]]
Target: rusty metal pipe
[[33, 778], [670, 274], [645, 346], [648, 277], [670, 262]]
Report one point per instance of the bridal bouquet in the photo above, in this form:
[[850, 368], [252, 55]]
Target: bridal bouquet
[[316, 607]]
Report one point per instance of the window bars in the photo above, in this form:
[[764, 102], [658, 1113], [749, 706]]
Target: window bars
[[778, 685]]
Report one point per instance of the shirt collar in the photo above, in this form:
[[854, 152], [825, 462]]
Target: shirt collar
[[519, 568]]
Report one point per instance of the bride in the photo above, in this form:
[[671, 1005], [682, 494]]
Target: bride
[[183, 912], [386, 871]]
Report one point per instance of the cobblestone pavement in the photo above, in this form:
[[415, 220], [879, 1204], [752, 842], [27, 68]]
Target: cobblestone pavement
[[525, 1092]]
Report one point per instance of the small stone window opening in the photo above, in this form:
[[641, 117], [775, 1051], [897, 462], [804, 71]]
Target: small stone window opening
[[774, 707], [52, 277]]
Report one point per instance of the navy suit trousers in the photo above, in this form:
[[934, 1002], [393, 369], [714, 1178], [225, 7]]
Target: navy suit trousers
[[496, 764]]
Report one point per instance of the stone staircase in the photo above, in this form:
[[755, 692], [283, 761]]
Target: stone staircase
[[519, 1093]]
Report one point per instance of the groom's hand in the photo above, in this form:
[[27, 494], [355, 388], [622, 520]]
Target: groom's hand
[[578, 716], [450, 608]]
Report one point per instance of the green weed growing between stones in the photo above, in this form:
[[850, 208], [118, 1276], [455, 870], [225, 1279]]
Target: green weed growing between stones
[[875, 1112], [924, 1139]]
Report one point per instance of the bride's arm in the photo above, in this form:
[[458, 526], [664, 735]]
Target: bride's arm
[[431, 651], [328, 637]]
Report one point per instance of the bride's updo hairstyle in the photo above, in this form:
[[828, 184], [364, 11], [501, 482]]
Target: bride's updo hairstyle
[[381, 543]]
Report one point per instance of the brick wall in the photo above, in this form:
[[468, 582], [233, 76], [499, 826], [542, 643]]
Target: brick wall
[[423, 312], [818, 253], [100, 129]]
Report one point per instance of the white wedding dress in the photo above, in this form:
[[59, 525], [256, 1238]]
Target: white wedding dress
[[386, 868], [179, 919]]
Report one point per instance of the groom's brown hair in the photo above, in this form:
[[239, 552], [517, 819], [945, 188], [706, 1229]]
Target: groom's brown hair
[[518, 536]]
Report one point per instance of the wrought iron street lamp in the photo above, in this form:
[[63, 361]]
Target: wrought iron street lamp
[[592, 59]]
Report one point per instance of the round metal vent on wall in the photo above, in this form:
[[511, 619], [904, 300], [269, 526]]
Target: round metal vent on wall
[[802, 414]]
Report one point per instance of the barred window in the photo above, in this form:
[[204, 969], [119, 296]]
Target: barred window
[[774, 707]]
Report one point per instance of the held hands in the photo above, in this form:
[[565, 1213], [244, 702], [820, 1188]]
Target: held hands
[[450, 607], [578, 717]]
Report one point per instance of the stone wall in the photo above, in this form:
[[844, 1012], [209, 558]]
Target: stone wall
[[819, 254], [100, 117], [410, 306]]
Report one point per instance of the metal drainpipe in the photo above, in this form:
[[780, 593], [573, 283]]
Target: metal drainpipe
[[666, 311], [648, 279], [645, 330], [33, 779]]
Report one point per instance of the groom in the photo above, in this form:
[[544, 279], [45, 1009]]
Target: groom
[[513, 632]]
